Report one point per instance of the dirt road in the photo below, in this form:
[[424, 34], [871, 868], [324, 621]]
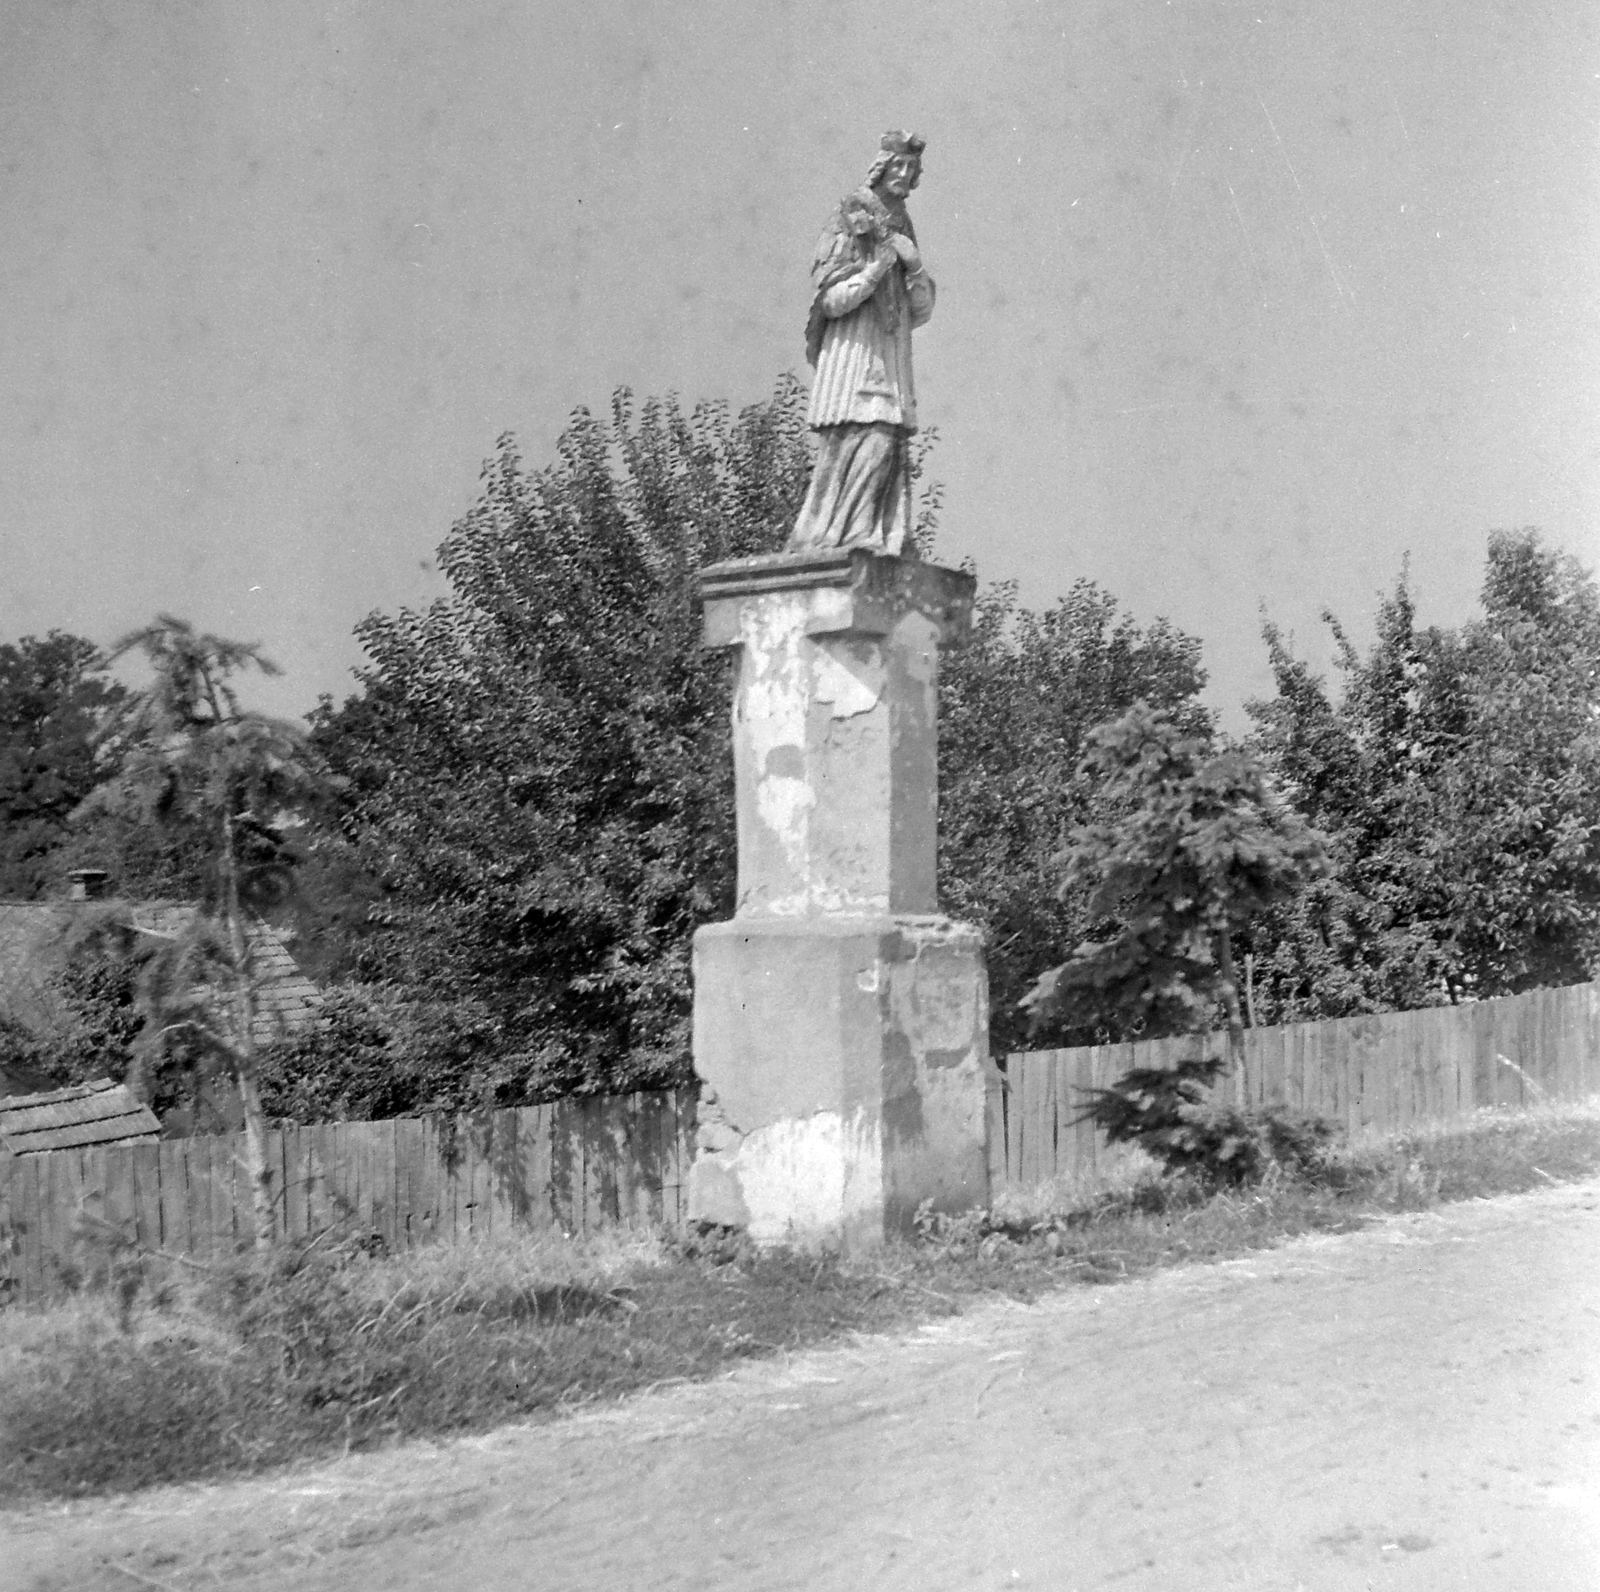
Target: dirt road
[[1415, 1406]]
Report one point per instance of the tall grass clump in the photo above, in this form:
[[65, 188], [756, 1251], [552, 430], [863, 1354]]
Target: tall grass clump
[[323, 1346]]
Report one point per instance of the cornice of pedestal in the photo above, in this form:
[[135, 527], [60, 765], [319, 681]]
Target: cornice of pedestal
[[858, 591]]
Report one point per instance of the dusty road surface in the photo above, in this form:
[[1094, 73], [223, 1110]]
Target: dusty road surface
[[1414, 1406]]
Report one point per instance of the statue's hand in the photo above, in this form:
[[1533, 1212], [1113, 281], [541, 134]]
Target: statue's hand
[[907, 252]]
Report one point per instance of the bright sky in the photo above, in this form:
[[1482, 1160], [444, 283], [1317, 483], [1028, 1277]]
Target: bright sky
[[1238, 303]]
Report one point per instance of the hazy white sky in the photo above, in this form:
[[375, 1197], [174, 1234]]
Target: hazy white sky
[[1237, 302]]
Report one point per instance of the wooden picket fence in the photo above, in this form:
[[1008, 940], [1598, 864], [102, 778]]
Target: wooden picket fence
[[574, 1165], [1371, 1075], [581, 1164]]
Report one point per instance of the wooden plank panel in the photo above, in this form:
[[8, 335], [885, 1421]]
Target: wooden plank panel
[[292, 1139], [505, 1180], [1463, 1059], [1275, 1050], [121, 1192], [202, 1239], [1436, 1023], [343, 1172], [385, 1183], [657, 1129], [1064, 1068], [1550, 1045], [26, 1203], [1449, 1037], [1590, 1022], [407, 1146], [1406, 1075], [688, 1120], [1511, 1052], [1444, 1072], [1049, 1150], [481, 1206], [1013, 1124], [1078, 1067], [144, 1163], [1569, 1043], [600, 1179], [427, 1214], [174, 1191], [314, 1178], [1481, 1063], [1296, 1083], [1336, 1074], [1302, 1069], [355, 1157], [57, 1195], [230, 1184], [625, 1128], [534, 1154], [1032, 1169]]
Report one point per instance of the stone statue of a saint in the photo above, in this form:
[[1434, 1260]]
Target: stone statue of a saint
[[870, 291]]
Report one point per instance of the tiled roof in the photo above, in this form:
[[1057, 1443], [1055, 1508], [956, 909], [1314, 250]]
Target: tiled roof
[[33, 948], [100, 1112]]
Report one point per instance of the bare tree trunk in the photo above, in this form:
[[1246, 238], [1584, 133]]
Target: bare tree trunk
[[1230, 1004], [255, 1121]]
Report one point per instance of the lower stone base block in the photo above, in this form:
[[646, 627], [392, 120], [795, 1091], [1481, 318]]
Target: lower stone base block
[[844, 1069]]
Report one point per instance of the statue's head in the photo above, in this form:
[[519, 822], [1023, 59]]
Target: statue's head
[[897, 168]]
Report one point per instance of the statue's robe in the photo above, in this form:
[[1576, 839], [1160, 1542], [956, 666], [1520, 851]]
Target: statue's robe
[[863, 400]]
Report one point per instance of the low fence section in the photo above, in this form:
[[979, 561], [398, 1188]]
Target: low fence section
[[580, 1164], [1371, 1075], [574, 1165]]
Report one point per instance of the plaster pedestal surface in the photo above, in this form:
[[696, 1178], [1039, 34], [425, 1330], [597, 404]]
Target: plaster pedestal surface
[[840, 1023]]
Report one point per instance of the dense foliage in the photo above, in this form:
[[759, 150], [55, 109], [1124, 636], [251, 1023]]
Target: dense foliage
[[1457, 778], [52, 693], [537, 798], [1017, 705], [539, 766], [1193, 847]]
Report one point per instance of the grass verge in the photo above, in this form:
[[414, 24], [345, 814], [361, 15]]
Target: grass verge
[[155, 1373]]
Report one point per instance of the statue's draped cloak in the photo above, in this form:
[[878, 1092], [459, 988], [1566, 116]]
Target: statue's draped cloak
[[863, 399], [863, 355]]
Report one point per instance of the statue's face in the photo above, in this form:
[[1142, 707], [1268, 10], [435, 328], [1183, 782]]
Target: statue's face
[[900, 175]]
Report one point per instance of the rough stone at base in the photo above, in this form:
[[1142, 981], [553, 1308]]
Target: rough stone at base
[[845, 1069]]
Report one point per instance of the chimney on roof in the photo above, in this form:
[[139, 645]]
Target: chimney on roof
[[88, 884]]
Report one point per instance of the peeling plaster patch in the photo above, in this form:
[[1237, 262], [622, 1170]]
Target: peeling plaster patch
[[870, 979], [784, 805], [853, 684], [810, 1177]]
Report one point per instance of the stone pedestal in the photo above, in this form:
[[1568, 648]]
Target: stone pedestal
[[840, 1023]]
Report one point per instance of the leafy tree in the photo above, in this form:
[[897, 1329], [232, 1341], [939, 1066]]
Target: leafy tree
[[1373, 933], [53, 693], [191, 759], [540, 779], [1017, 703], [1455, 778], [1520, 851], [1197, 847]]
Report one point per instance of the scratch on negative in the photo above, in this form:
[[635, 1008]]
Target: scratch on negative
[[1327, 259]]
